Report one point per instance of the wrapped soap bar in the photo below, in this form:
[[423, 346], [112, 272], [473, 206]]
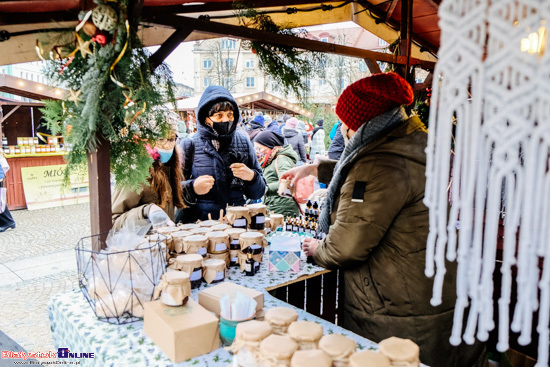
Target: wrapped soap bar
[[280, 318], [338, 347], [369, 358], [401, 352], [277, 350], [306, 334]]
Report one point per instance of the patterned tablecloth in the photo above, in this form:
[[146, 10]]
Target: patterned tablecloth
[[75, 326]]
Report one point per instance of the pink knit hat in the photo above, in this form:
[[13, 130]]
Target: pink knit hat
[[292, 123]]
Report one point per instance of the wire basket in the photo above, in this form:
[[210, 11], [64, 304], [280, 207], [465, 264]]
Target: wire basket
[[117, 284]]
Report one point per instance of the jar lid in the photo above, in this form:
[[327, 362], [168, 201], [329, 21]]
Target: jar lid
[[253, 330], [220, 227], [278, 346], [209, 223], [237, 209], [200, 230], [195, 238], [217, 234], [307, 331], [235, 233], [281, 315], [167, 230], [369, 358], [337, 346], [256, 209], [256, 206], [274, 216], [188, 226], [176, 277], [181, 234], [213, 263], [311, 357], [399, 350], [190, 258], [252, 235]]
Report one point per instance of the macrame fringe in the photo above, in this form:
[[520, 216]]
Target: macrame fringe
[[499, 97]]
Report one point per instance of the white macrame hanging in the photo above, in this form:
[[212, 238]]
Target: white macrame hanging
[[494, 82]]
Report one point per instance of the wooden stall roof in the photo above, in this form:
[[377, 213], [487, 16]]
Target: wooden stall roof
[[21, 17]]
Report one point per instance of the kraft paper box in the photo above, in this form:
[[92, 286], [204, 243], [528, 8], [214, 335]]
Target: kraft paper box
[[209, 298], [284, 253], [181, 332]]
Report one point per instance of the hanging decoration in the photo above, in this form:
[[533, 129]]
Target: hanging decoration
[[494, 78], [113, 93]]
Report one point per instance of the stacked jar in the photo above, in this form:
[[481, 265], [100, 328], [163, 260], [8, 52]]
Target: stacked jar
[[306, 333], [401, 352], [177, 240], [254, 243], [311, 357], [174, 289], [238, 216], [246, 346], [167, 231], [277, 350], [218, 246], [280, 318], [190, 264], [338, 347], [234, 245], [369, 358], [195, 244]]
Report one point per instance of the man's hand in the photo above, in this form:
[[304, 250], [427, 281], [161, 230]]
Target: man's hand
[[240, 170], [203, 184], [297, 173], [310, 246]]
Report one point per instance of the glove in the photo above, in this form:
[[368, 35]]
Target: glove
[[158, 217]]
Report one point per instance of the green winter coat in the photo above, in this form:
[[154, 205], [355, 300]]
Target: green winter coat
[[380, 243], [284, 160]]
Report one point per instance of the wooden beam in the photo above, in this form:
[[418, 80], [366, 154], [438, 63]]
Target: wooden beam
[[99, 175], [168, 46], [373, 66], [406, 36], [390, 10], [220, 29], [10, 113]]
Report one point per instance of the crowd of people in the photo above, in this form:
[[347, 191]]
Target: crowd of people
[[373, 215]]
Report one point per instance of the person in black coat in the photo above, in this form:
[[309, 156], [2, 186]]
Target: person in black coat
[[294, 138], [256, 126], [337, 144], [220, 162]]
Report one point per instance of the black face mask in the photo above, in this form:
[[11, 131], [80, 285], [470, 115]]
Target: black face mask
[[222, 128]]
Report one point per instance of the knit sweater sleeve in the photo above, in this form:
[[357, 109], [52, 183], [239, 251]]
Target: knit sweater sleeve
[[359, 226]]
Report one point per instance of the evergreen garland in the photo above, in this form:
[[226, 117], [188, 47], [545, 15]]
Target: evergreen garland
[[113, 94]]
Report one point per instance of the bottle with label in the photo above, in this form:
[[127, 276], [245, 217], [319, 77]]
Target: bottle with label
[[288, 224], [295, 224], [4, 141], [315, 211], [249, 269], [308, 209]]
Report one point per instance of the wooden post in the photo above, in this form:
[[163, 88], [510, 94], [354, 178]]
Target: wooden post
[[99, 175]]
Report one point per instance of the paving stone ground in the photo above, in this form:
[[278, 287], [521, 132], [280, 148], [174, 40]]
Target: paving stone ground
[[37, 261]]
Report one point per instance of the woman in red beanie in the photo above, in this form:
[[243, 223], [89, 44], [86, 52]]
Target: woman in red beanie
[[375, 202]]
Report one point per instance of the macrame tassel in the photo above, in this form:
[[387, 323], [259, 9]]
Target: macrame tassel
[[498, 91]]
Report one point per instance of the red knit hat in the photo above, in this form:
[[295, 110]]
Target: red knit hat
[[369, 97]]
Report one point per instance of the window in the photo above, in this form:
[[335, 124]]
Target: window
[[382, 43], [322, 81], [229, 44], [342, 83], [228, 82], [250, 81], [324, 39], [207, 64], [229, 63], [362, 65], [250, 63], [207, 82]]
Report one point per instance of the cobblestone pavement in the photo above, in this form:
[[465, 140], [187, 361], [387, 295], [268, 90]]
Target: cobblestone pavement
[[37, 261]]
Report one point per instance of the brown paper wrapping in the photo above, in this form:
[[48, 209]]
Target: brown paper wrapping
[[306, 334], [242, 259], [215, 238], [255, 209], [222, 256], [285, 189], [233, 254], [401, 352], [369, 358], [247, 239], [177, 239], [248, 336], [236, 212], [208, 223], [211, 267], [187, 226], [200, 230], [221, 227], [276, 220], [276, 350], [234, 233], [279, 318], [338, 347], [312, 357], [187, 263], [176, 284], [191, 244]]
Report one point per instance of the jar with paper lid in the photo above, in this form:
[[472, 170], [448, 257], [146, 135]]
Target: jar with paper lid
[[187, 226], [200, 230], [213, 270], [277, 221], [177, 239], [277, 350], [306, 334], [174, 288], [253, 240], [257, 213], [222, 256], [310, 358], [208, 223], [401, 352], [218, 242], [220, 227], [369, 358], [167, 231], [192, 265], [195, 244], [280, 318], [246, 346], [238, 216], [338, 347], [234, 245]]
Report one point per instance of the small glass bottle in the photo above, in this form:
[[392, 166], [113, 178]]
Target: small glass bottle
[[249, 268], [308, 208], [295, 224], [17, 149], [315, 210], [288, 226]]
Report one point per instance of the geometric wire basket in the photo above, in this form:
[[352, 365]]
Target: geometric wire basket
[[117, 284]]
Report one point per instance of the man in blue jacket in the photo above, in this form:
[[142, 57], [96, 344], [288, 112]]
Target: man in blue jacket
[[220, 163]]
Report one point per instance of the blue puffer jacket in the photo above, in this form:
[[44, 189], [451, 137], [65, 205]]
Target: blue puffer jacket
[[203, 159]]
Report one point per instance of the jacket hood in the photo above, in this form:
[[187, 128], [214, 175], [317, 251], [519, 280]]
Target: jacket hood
[[214, 94], [289, 133], [289, 152], [255, 125]]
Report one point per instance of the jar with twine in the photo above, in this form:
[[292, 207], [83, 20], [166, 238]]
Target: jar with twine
[[401, 352], [338, 347], [220, 227], [222, 256], [234, 245], [277, 350], [195, 244], [311, 357], [276, 221], [177, 238], [190, 264], [208, 223], [306, 334], [238, 216], [280, 318], [246, 346], [187, 226], [218, 242], [200, 230], [167, 231], [369, 358], [213, 270], [253, 241], [174, 288], [257, 213]]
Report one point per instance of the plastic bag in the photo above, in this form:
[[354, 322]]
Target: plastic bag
[[304, 188]]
